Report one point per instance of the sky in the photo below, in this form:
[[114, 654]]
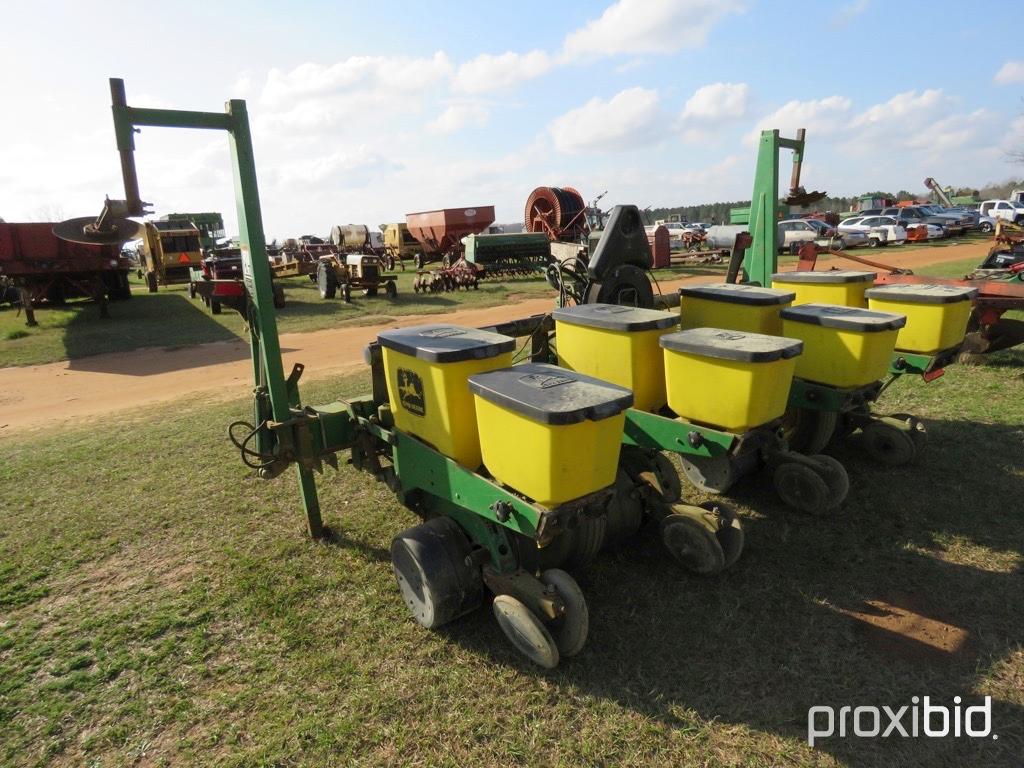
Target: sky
[[363, 112]]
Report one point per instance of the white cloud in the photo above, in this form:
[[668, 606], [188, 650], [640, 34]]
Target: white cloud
[[458, 116], [847, 13], [630, 118], [1011, 72], [821, 117], [648, 26], [380, 74], [488, 72], [908, 105], [717, 103]]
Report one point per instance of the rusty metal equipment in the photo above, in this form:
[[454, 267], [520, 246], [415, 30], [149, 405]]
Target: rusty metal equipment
[[460, 276], [440, 232], [558, 212], [45, 268], [348, 271]]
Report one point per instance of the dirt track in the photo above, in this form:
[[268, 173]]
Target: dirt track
[[76, 390]]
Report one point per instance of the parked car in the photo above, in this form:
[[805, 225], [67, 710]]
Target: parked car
[[879, 230], [1008, 210], [910, 215], [794, 232], [959, 218]]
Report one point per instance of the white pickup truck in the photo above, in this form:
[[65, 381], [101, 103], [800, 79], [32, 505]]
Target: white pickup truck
[[1008, 210]]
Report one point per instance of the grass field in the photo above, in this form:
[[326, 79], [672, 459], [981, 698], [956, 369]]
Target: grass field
[[159, 606], [169, 318]]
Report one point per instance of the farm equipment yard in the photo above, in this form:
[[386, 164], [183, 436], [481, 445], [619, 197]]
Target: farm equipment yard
[[599, 479]]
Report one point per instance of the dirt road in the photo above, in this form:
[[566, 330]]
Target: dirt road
[[76, 390]]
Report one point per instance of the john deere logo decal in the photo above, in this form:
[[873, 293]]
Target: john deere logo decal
[[410, 392]]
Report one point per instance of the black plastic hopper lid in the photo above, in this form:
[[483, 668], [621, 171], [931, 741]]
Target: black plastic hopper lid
[[732, 345], [922, 293], [845, 318], [446, 343], [738, 293], [830, 276], [614, 317], [550, 395]]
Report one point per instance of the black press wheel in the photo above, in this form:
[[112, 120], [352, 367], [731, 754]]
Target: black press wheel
[[429, 561], [525, 631], [692, 544], [887, 444], [728, 530], [668, 478], [835, 476], [807, 430], [802, 488], [570, 629]]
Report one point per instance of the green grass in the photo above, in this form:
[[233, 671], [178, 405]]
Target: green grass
[[159, 606], [170, 319]]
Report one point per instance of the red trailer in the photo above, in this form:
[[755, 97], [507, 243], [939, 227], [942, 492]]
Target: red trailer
[[50, 269], [441, 232]]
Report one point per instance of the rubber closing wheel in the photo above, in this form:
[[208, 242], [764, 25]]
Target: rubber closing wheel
[[525, 631], [570, 629], [835, 476], [802, 488], [729, 531], [888, 445], [807, 430], [668, 478], [429, 561], [692, 545], [588, 538]]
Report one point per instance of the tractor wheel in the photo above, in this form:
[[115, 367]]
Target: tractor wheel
[[429, 561], [151, 281], [346, 293], [802, 488], [888, 445], [326, 281], [369, 292], [525, 631], [191, 290], [569, 630], [279, 297], [691, 544], [807, 430], [215, 308], [390, 289], [835, 476]]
